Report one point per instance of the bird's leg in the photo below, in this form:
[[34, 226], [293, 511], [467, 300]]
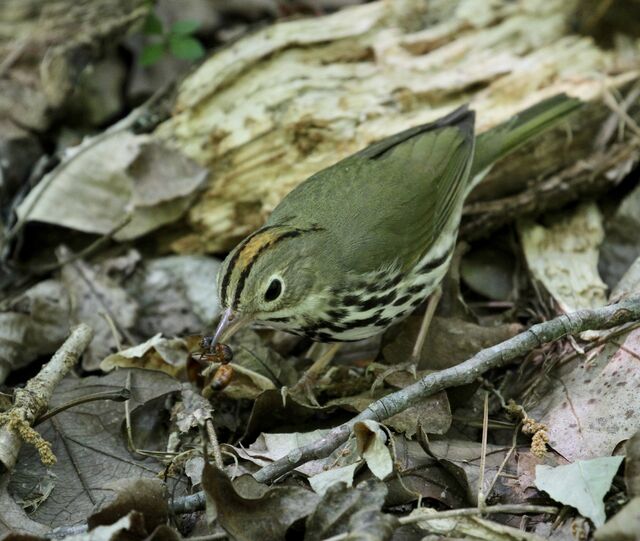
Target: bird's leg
[[309, 378], [434, 299], [412, 364]]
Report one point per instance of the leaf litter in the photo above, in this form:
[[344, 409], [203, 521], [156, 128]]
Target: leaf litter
[[133, 470], [430, 455]]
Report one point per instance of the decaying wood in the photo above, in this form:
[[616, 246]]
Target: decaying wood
[[275, 107]]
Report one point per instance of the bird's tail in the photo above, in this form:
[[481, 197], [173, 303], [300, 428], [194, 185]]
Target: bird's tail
[[506, 137]]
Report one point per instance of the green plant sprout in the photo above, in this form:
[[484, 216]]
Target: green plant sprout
[[178, 40]]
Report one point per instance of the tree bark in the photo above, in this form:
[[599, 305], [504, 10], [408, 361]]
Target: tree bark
[[275, 107]]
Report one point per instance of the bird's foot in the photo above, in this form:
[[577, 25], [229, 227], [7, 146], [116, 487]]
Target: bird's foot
[[302, 391], [410, 366]]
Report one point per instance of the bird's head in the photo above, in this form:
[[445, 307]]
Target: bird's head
[[267, 277]]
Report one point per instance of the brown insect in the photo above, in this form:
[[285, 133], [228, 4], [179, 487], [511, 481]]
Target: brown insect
[[219, 353], [224, 374], [222, 377]]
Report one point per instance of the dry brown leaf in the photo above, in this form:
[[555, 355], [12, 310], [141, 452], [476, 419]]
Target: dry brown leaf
[[158, 353], [266, 514], [590, 406], [90, 444], [121, 175], [36, 323]]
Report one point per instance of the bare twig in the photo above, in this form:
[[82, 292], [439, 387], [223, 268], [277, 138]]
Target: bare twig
[[82, 270], [620, 110], [82, 254], [188, 504], [32, 401], [434, 299], [512, 509], [210, 537], [483, 455], [466, 372], [117, 396], [514, 442], [213, 440], [15, 51]]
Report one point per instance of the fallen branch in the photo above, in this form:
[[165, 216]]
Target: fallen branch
[[462, 374], [33, 400], [466, 372]]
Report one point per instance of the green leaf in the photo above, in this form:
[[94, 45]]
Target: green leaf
[[582, 484], [184, 28], [152, 53], [152, 25], [186, 48]]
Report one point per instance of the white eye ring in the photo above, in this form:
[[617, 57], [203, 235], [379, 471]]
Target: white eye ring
[[274, 289]]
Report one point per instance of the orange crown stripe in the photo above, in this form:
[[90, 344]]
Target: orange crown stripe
[[257, 243]]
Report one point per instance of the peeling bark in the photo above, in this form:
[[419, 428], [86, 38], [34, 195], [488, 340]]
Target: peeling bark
[[277, 106]]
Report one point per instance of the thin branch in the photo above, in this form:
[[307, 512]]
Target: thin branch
[[118, 396], [188, 504], [483, 455], [82, 254], [514, 442], [461, 374], [512, 509], [509, 509], [213, 440], [32, 401]]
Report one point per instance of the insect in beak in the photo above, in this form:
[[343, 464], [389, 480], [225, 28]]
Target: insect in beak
[[229, 323]]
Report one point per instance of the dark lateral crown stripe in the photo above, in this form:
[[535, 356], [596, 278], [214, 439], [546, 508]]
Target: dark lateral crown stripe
[[224, 289], [247, 268], [247, 253]]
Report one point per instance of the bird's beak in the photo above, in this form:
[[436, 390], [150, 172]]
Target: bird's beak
[[229, 323]]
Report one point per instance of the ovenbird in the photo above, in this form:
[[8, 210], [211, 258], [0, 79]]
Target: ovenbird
[[357, 246]]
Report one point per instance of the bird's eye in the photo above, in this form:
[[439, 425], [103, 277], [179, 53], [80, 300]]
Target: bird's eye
[[273, 291]]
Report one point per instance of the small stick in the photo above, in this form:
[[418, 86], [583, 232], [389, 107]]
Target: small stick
[[82, 254], [32, 401], [514, 442], [434, 299], [514, 509], [606, 317], [117, 396], [483, 454], [215, 445]]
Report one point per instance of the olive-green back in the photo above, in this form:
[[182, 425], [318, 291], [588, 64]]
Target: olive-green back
[[388, 203]]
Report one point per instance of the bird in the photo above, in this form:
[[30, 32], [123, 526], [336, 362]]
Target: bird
[[359, 245]]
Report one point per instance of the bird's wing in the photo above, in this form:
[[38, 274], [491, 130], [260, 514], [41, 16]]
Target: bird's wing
[[388, 203]]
